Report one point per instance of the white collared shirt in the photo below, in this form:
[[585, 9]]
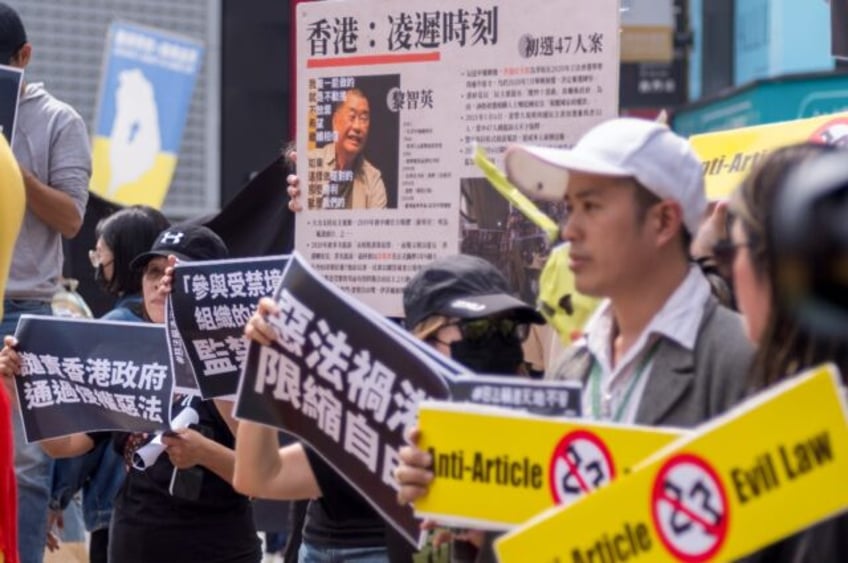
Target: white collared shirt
[[678, 320]]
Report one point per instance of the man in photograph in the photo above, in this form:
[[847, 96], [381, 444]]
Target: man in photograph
[[347, 179]]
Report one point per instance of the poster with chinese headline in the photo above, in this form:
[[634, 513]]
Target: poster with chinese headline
[[185, 381], [85, 376], [342, 383], [212, 301], [391, 97]]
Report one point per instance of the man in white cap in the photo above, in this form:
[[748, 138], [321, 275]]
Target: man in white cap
[[660, 350]]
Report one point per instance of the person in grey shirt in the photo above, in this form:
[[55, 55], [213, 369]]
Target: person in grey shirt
[[53, 151]]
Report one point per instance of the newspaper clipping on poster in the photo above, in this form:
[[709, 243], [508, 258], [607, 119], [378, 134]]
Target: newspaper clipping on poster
[[86, 376], [391, 98], [212, 302]]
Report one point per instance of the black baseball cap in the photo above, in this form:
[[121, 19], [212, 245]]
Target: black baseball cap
[[12, 33], [194, 242], [465, 287]]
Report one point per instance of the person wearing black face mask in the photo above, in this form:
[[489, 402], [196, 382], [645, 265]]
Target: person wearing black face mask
[[488, 345], [462, 306], [99, 473], [121, 237]]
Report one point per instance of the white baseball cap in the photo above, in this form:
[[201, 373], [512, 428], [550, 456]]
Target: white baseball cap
[[648, 151]]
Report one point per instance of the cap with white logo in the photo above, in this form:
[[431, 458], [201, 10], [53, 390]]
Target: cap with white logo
[[193, 242]]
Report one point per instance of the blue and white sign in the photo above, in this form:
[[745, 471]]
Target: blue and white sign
[[145, 93]]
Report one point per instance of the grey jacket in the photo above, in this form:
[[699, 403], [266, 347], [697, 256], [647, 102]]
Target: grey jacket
[[684, 388]]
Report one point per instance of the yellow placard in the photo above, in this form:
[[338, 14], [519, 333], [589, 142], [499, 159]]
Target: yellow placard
[[728, 156], [496, 468], [773, 466]]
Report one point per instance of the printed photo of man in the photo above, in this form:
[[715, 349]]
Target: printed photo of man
[[348, 179]]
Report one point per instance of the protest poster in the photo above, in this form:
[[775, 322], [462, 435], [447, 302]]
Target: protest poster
[[728, 156], [732, 486], [506, 466], [145, 90], [387, 179], [542, 397], [84, 376], [212, 301], [10, 94], [185, 381], [553, 398], [342, 383]]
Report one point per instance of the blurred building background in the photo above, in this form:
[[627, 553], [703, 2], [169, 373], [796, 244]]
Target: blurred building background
[[239, 116], [714, 63]]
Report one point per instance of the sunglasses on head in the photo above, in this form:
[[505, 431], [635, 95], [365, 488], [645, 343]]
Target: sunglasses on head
[[486, 327]]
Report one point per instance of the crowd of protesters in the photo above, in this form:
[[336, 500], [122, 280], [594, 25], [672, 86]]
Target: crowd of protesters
[[664, 346]]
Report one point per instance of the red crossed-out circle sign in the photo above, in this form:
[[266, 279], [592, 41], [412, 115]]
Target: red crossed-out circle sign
[[580, 463], [834, 132], [689, 508]]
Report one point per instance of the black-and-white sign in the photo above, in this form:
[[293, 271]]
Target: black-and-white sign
[[10, 92], [553, 398], [84, 376], [342, 382], [185, 381], [212, 301]]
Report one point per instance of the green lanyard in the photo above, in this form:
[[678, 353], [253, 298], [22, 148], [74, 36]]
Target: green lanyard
[[595, 384]]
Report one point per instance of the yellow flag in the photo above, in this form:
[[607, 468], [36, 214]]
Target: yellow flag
[[521, 202]]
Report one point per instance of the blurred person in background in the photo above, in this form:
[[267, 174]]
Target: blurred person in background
[[100, 473], [784, 346]]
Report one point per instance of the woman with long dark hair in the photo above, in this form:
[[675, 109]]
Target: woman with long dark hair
[[785, 347], [99, 473], [121, 237]]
